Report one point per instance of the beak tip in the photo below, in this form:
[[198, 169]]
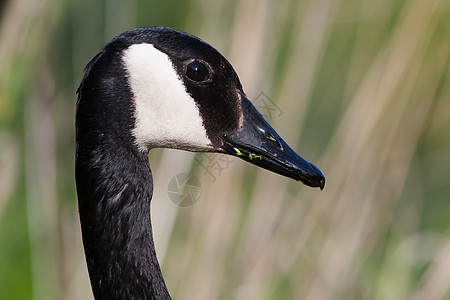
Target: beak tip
[[318, 179], [322, 184]]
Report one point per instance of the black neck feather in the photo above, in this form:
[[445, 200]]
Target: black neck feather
[[114, 195]]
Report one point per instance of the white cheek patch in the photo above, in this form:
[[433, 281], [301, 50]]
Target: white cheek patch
[[166, 115]]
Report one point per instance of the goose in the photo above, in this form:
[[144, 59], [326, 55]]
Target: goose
[[148, 88]]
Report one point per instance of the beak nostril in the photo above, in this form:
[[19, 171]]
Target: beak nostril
[[272, 139]]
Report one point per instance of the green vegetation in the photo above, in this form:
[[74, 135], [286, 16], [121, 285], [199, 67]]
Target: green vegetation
[[362, 90]]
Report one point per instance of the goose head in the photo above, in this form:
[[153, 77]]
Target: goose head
[[182, 93]]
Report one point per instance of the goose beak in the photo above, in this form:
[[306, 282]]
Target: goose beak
[[258, 143]]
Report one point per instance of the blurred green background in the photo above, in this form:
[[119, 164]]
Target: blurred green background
[[363, 88]]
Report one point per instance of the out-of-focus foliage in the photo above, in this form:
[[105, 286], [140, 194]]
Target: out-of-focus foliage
[[360, 88]]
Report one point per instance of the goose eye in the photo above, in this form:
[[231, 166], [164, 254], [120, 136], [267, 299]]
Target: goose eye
[[197, 71]]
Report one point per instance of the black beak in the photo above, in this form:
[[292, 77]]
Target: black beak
[[258, 143]]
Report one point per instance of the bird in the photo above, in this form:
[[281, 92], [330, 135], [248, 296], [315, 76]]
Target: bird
[[156, 87]]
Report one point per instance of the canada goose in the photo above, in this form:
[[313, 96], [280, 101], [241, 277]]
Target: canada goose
[[156, 87]]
